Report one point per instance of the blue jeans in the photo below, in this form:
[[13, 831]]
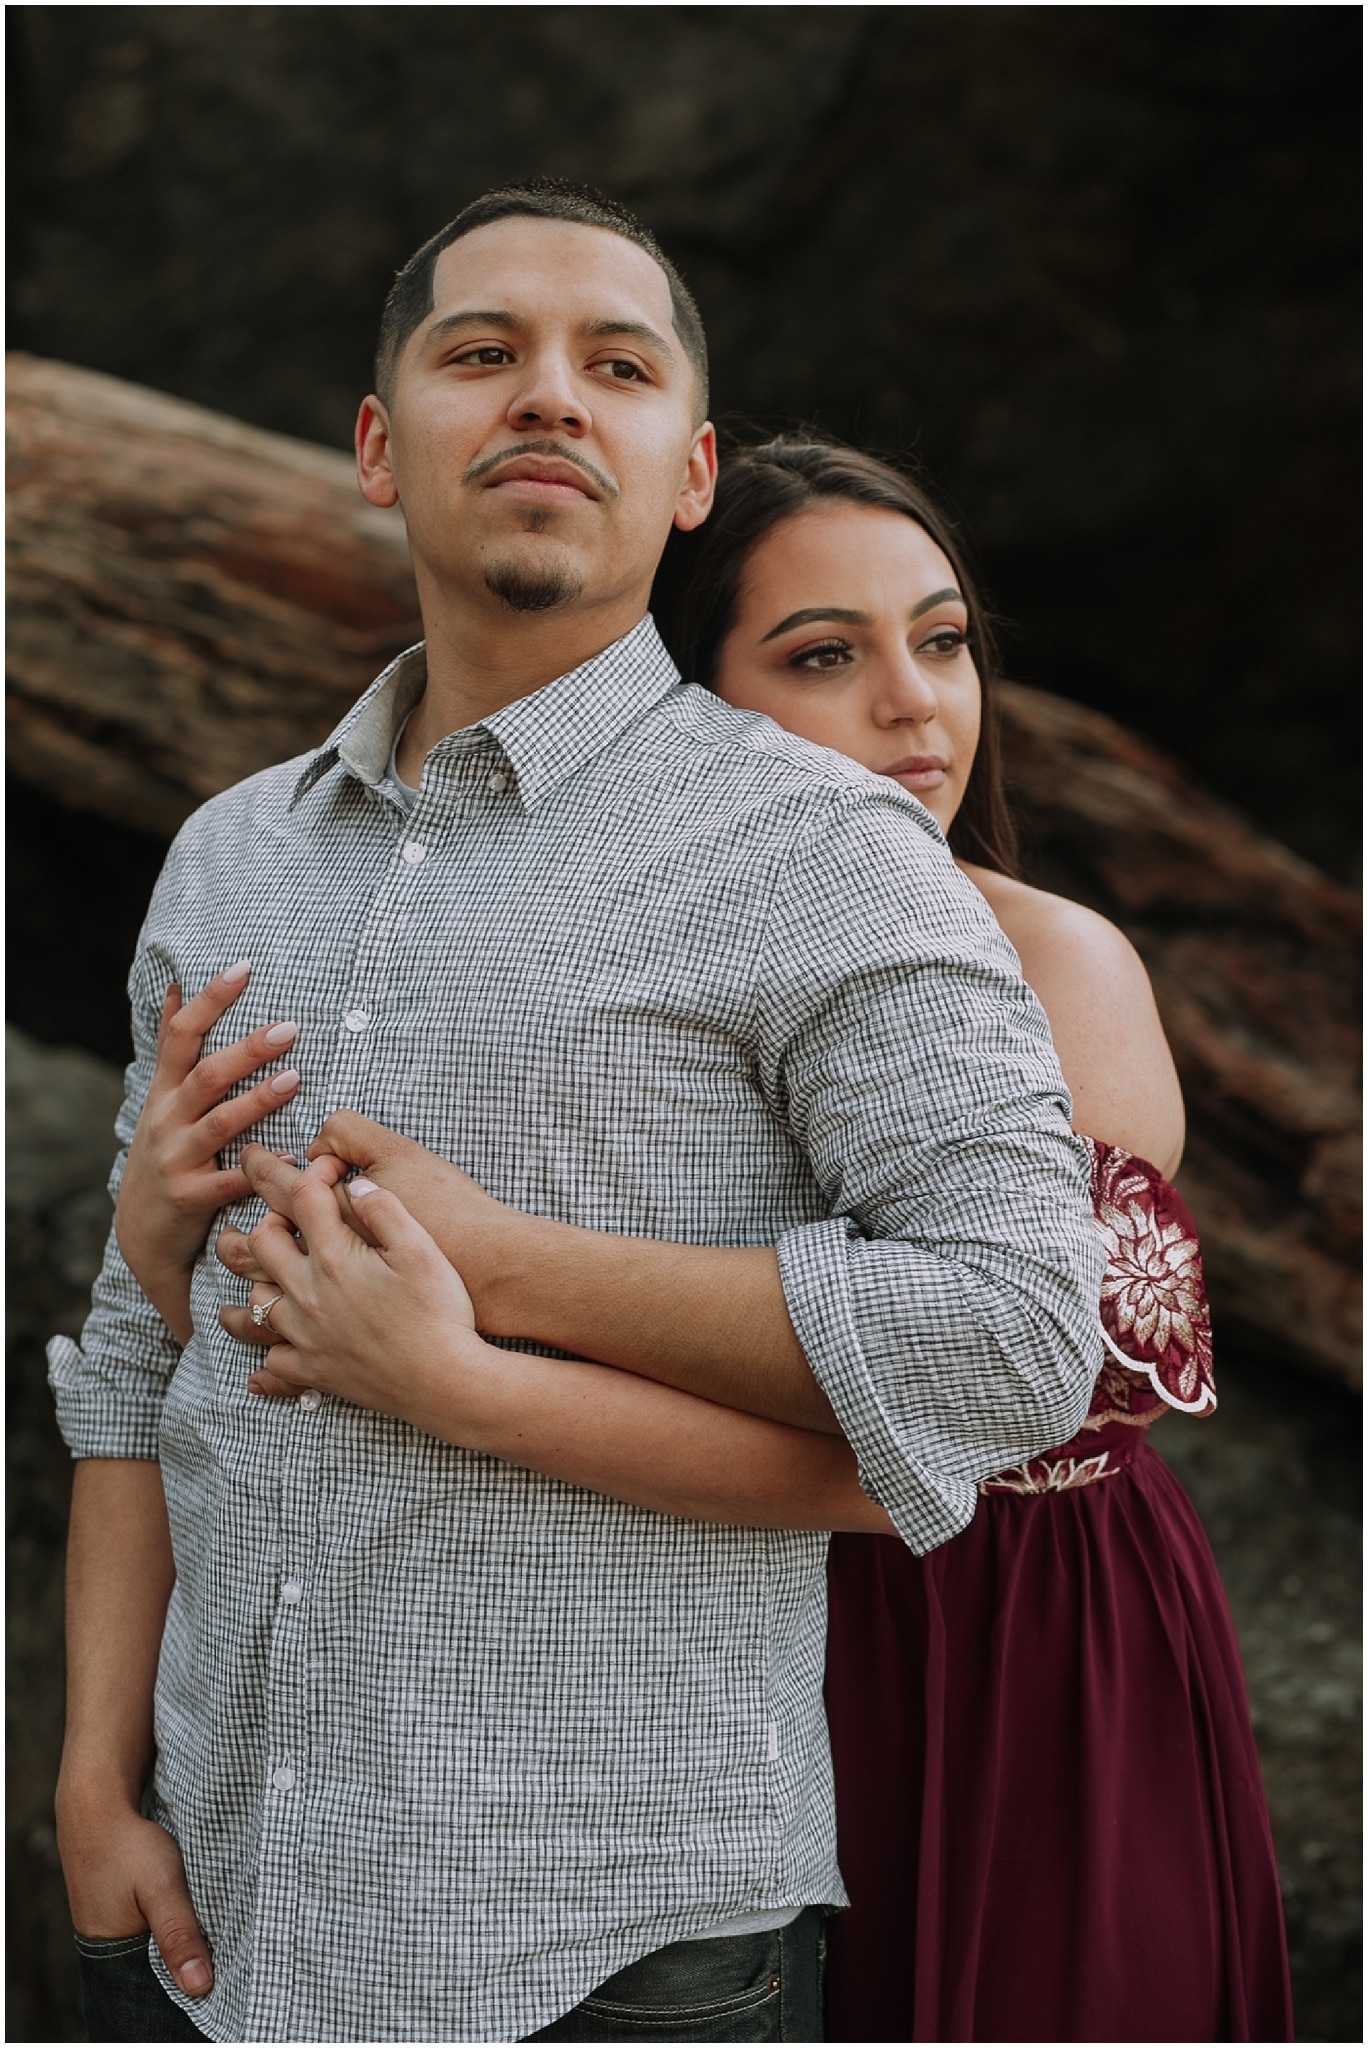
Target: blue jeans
[[122, 1997], [743, 1987]]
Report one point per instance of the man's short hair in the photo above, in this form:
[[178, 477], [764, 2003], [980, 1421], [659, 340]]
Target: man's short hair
[[410, 297]]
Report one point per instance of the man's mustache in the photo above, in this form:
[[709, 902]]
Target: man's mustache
[[599, 478]]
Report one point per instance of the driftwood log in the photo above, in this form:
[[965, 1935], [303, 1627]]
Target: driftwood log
[[192, 599]]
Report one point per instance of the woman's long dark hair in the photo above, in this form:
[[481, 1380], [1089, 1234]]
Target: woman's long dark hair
[[698, 587]]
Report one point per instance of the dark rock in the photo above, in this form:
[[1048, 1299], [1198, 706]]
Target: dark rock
[[1254, 958], [1098, 266]]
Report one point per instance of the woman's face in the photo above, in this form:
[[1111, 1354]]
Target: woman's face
[[851, 632]]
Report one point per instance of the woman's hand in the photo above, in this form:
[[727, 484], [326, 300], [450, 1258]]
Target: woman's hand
[[385, 1323], [481, 1236], [172, 1183], [470, 1226]]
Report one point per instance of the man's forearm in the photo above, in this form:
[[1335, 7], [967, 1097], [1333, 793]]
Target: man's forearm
[[119, 1579], [711, 1321], [123, 1874]]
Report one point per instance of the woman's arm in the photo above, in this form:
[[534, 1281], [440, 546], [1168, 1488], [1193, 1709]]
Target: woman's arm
[[714, 1321], [172, 1183], [387, 1324], [1094, 990], [711, 1321]]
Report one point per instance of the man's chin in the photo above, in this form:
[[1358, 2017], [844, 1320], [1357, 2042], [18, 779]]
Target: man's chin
[[533, 586]]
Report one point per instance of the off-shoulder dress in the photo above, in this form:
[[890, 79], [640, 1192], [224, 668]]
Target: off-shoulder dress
[[1051, 1819]]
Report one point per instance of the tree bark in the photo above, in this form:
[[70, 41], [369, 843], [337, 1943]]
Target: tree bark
[[1255, 962], [192, 600]]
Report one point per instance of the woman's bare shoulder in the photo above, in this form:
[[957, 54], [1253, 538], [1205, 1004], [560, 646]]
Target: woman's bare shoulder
[[1056, 936], [1094, 990]]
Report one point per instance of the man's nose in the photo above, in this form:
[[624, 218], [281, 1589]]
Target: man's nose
[[550, 398], [904, 695]]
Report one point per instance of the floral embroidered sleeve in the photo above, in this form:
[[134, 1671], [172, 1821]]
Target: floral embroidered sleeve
[[1155, 1324], [1155, 1319]]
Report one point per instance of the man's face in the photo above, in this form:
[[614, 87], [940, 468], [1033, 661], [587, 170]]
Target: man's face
[[541, 436]]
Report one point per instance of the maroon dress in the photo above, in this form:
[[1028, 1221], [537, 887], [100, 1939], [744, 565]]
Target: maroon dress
[[1050, 1815]]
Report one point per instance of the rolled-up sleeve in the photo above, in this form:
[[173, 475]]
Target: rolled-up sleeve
[[109, 1387], [948, 1307]]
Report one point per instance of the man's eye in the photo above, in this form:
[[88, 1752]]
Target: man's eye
[[488, 357], [623, 371], [831, 654]]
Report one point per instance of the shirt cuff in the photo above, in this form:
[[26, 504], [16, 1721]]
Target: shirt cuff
[[926, 1507], [96, 1418]]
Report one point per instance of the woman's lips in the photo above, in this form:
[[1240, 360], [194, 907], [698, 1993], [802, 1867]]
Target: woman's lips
[[919, 772]]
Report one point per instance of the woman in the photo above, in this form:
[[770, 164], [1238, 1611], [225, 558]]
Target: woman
[[1050, 1812], [1048, 1798]]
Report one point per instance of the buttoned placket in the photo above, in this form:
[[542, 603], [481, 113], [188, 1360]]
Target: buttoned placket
[[468, 781], [302, 1551]]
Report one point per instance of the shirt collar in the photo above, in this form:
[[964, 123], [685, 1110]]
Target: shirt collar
[[545, 736]]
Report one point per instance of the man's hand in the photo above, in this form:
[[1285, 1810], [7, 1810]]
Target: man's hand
[[172, 1183], [124, 1875]]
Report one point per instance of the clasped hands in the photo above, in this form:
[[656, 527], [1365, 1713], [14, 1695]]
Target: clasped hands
[[364, 1304], [371, 1306]]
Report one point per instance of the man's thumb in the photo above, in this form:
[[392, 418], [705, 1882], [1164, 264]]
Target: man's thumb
[[178, 1934]]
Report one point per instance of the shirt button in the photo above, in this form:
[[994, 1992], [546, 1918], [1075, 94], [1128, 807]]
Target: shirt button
[[292, 1592], [414, 854], [356, 1020], [283, 1779], [310, 1399], [498, 782]]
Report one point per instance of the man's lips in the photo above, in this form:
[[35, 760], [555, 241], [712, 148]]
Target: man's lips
[[918, 771], [537, 479]]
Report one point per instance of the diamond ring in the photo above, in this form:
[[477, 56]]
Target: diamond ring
[[261, 1313]]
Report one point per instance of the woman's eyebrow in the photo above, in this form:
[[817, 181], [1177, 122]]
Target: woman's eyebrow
[[937, 597], [812, 612]]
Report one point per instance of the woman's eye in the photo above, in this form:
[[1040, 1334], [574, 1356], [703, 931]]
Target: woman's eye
[[831, 654], [948, 640]]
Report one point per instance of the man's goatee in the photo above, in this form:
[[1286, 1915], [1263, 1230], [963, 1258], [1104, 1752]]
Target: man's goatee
[[531, 590]]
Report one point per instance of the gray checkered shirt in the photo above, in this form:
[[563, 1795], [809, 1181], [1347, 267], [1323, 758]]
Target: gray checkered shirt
[[446, 1743]]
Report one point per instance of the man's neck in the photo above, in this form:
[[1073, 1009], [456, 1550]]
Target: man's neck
[[478, 661]]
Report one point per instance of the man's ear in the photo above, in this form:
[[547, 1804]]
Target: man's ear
[[700, 480], [373, 470]]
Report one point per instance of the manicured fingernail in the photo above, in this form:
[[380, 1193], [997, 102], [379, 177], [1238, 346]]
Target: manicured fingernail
[[239, 971], [286, 1083], [282, 1034], [362, 1186], [195, 1977]]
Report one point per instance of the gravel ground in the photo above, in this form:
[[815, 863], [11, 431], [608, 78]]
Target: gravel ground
[[1275, 1476]]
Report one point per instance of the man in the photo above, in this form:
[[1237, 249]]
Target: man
[[446, 1746]]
